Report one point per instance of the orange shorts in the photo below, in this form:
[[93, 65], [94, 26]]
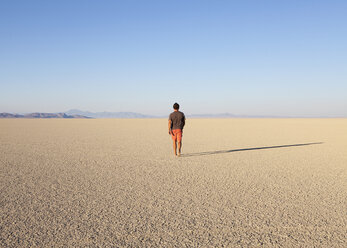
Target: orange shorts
[[176, 135]]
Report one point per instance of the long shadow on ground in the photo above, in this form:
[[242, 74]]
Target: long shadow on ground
[[246, 149]]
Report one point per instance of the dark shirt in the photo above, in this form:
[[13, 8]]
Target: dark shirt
[[178, 120]]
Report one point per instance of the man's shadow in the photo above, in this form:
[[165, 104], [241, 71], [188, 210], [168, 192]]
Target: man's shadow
[[246, 149]]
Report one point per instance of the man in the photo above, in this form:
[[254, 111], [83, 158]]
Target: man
[[177, 121]]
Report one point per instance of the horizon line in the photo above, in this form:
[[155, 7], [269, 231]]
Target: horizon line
[[137, 115]]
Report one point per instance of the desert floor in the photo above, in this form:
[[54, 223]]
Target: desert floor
[[116, 182]]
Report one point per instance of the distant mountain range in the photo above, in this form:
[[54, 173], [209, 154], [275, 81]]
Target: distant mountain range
[[75, 113], [42, 115], [130, 115], [133, 115]]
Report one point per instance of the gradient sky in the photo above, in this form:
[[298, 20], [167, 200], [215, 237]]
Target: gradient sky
[[242, 57]]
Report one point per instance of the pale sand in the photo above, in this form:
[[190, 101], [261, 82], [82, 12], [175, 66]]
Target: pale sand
[[117, 183]]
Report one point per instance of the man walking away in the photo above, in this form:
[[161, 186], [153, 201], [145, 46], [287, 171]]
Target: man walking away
[[177, 121]]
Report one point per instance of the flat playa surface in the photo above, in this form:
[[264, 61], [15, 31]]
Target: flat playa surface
[[115, 182]]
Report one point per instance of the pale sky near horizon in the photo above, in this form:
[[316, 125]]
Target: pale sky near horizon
[[242, 57]]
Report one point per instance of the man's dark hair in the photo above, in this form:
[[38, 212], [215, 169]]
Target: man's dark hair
[[176, 106]]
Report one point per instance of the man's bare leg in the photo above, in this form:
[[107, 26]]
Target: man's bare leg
[[175, 147], [179, 147]]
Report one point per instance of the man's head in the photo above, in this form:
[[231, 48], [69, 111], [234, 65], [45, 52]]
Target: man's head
[[176, 106]]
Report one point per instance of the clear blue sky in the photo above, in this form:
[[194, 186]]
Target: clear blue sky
[[242, 57]]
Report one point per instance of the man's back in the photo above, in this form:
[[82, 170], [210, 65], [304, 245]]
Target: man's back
[[177, 119]]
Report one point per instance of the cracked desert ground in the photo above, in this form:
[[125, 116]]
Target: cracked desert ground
[[116, 183]]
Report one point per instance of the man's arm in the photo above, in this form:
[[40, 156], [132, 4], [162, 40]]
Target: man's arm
[[169, 126]]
